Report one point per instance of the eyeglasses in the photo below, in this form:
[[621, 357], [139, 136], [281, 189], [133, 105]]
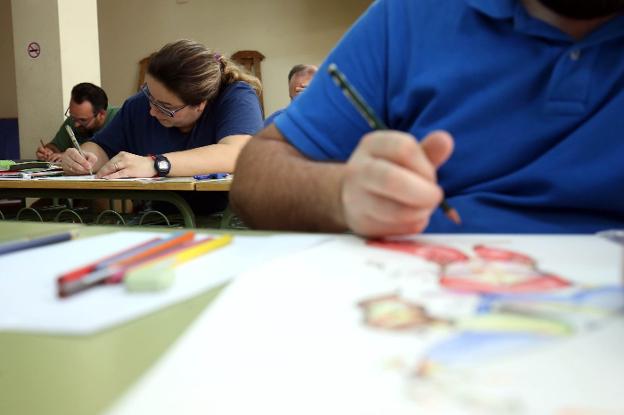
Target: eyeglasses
[[84, 122], [160, 107]]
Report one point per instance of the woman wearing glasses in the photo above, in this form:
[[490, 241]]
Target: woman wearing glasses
[[193, 115]]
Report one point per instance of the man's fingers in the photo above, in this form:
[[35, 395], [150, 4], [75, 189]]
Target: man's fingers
[[438, 147], [399, 184], [380, 216], [399, 148]]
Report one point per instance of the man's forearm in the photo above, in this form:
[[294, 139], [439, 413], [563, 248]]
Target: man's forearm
[[275, 187]]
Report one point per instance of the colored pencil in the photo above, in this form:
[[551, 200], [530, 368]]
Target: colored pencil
[[375, 122], [111, 269], [159, 273], [11, 247]]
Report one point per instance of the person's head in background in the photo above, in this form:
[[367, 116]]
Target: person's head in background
[[298, 79], [184, 77], [87, 108]]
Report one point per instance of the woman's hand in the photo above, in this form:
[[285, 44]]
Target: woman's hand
[[127, 164], [74, 164]]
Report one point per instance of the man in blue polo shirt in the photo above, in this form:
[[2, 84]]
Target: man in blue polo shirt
[[531, 92]]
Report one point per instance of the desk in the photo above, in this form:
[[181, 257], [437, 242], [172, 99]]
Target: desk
[[220, 185], [82, 375], [85, 375], [165, 190]]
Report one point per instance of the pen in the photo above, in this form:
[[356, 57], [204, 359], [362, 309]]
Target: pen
[[72, 137], [376, 123], [10, 247]]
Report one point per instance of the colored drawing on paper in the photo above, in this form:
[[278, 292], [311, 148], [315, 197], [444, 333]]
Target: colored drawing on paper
[[392, 312], [489, 270], [517, 307]]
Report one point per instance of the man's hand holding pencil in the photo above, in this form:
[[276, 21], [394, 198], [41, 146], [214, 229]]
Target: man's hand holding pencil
[[390, 182], [390, 185]]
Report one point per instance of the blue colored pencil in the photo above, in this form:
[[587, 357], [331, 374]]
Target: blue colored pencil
[[211, 176], [11, 247]]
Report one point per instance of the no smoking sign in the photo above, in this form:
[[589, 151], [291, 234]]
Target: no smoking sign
[[34, 50]]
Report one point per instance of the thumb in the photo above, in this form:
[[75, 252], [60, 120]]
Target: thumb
[[438, 147]]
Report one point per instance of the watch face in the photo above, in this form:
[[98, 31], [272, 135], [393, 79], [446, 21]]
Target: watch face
[[163, 165]]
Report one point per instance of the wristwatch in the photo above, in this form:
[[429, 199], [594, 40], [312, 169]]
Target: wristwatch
[[161, 165]]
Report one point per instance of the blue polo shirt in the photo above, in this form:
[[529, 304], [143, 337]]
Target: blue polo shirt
[[236, 110], [537, 117], [271, 118]]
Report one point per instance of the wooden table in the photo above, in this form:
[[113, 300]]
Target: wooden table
[[165, 190], [218, 185]]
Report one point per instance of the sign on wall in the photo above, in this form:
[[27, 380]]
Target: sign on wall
[[34, 50]]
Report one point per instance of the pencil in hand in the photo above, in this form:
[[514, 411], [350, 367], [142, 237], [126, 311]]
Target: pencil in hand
[[72, 137], [376, 123], [450, 212]]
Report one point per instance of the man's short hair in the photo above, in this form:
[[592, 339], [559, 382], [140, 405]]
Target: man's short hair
[[86, 91], [296, 69]]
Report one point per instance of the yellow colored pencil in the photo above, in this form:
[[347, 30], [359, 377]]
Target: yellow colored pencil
[[200, 249]]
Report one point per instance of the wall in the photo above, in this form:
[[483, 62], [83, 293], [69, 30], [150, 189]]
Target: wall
[[38, 81], [67, 33], [80, 49], [287, 32], [8, 95]]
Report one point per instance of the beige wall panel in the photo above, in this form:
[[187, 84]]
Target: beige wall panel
[[67, 33], [80, 46], [287, 32], [39, 89]]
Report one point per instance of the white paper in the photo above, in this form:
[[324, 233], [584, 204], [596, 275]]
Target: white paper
[[288, 338], [29, 303], [92, 178]]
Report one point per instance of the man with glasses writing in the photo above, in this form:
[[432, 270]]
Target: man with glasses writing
[[87, 113]]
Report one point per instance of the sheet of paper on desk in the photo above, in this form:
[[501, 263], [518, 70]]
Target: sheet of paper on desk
[[351, 328], [28, 301], [91, 177]]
